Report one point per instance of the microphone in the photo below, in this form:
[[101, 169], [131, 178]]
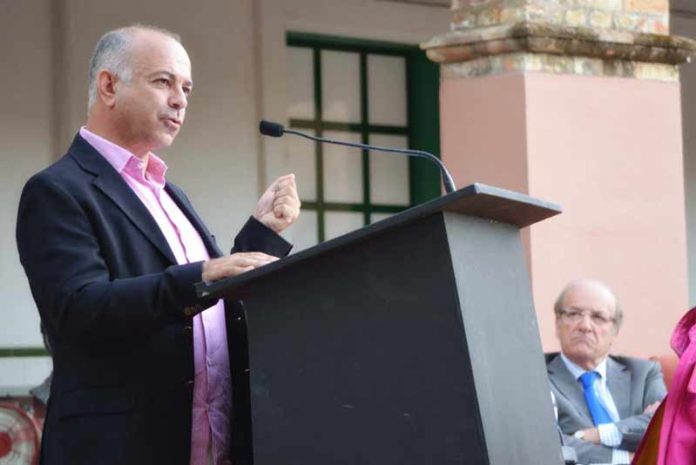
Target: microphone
[[269, 128]]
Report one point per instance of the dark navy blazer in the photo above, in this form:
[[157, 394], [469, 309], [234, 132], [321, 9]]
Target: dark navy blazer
[[117, 310]]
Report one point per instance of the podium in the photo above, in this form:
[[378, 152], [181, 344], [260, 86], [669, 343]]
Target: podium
[[410, 341]]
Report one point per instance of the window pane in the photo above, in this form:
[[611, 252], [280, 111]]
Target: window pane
[[296, 156], [375, 217], [343, 180], [301, 83], [386, 81], [338, 223], [389, 183], [340, 87], [303, 233]]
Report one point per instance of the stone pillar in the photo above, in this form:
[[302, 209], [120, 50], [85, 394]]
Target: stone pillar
[[577, 102]]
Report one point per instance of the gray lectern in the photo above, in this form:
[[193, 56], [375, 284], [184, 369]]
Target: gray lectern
[[410, 341]]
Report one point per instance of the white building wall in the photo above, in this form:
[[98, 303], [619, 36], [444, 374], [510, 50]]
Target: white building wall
[[237, 48], [239, 60], [25, 146]]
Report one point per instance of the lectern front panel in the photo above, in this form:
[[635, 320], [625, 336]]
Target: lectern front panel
[[360, 357]]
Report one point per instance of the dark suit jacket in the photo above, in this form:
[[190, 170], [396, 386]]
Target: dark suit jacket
[[117, 310], [634, 384]]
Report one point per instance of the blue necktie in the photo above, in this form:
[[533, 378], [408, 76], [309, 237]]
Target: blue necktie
[[597, 410]]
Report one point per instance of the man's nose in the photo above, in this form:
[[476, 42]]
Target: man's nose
[[178, 99], [585, 322]]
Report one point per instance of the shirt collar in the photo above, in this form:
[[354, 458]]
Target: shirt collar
[[125, 161], [577, 371]]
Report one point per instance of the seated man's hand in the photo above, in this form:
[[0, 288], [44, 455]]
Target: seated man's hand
[[232, 265], [591, 435], [279, 206]]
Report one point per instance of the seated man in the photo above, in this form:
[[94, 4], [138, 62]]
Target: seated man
[[604, 402]]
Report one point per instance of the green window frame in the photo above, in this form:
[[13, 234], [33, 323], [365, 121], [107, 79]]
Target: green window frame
[[422, 129]]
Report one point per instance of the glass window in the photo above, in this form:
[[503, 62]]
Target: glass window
[[356, 91]]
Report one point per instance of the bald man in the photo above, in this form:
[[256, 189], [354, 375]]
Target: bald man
[[604, 402], [112, 251]]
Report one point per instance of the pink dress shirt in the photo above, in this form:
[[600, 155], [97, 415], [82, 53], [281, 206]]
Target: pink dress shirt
[[212, 393], [678, 432]]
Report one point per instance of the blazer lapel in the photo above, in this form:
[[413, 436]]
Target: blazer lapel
[[182, 202], [115, 188], [619, 384], [568, 386]]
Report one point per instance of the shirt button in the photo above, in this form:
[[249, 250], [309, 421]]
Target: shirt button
[[189, 311], [188, 332], [189, 385]]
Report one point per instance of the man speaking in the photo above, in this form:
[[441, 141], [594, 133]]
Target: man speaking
[[112, 252]]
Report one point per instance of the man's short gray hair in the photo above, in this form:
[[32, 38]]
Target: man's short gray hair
[[618, 311], [112, 52]]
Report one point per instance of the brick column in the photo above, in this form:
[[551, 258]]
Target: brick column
[[577, 102], [649, 16]]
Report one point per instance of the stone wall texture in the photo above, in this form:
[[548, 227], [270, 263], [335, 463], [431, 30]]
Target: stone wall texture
[[647, 16]]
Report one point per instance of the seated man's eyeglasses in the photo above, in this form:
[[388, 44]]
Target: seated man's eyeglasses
[[573, 315]]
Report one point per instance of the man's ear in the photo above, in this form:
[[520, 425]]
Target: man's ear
[[106, 87]]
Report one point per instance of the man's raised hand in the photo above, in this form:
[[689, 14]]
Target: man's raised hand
[[279, 206]]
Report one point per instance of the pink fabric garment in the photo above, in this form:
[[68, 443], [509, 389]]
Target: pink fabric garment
[[212, 391], [678, 433]]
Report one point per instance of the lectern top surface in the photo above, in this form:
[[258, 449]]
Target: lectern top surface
[[479, 200], [496, 204]]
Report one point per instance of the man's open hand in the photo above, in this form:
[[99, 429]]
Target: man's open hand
[[232, 265]]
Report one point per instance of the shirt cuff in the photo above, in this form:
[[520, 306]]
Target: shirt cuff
[[620, 457], [609, 435]]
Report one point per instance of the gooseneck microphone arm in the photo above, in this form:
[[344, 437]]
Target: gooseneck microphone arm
[[269, 128]]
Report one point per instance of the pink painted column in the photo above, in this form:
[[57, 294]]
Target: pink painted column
[[578, 105]]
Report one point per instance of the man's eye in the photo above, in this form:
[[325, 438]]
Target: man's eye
[[162, 81], [187, 91]]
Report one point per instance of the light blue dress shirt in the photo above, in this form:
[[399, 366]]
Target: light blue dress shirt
[[609, 434]]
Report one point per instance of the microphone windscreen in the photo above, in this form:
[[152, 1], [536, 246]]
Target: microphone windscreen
[[269, 128]]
